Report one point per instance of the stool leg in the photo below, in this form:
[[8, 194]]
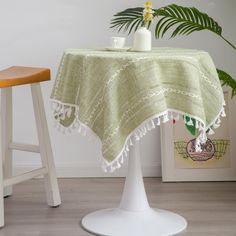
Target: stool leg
[[1, 190], [5, 94], [6, 135], [52, 190]]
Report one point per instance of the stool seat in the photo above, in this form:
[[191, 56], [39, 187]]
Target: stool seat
[[18, 75]]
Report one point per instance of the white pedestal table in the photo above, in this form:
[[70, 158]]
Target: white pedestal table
[[114, 93]]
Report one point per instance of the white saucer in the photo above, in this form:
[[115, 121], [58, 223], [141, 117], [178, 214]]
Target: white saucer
[[117, 49]]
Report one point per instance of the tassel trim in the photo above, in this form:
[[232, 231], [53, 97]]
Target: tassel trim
[[63, 110]]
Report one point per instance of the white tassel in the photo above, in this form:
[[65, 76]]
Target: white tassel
[[165, 118], [198, 145], [137, 137], [130, 142], [158, 121], [211, 132], [201, 126], [75, 125], [104, 167], [62, 116], [223, 113], [61, 110], [144, 130], [215, 125], [190, 122], [153, 124], [122, 159], [140, 134], [149, 127], [203, 137], [69, 112], [197, 124], [58, 108], [117, 165], [185, 120], [218, 121]]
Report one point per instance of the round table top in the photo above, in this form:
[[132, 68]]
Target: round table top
[[119, 96]]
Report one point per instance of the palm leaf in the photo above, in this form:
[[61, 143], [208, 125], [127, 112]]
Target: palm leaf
[[227, 80], [186, 20], [128, 20], [191, 128]]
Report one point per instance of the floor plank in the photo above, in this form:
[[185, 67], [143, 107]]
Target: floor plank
[[210, 208]]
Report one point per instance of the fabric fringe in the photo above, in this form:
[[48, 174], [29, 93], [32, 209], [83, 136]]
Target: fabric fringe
[[63, 110]]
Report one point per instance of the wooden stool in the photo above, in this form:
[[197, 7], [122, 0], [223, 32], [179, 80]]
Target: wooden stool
[[17, 76]]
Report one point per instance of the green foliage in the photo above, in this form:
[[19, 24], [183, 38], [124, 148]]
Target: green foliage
[[128, 20], [227, 80], [186, 20]]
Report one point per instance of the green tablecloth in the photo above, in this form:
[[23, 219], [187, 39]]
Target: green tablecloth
[[122, 95]]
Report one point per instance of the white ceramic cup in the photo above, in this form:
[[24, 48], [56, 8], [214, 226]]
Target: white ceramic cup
[[117, 42]]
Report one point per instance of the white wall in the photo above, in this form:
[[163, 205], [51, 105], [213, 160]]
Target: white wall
[[35, 33]]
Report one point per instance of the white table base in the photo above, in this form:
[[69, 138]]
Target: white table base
[[134, 215]]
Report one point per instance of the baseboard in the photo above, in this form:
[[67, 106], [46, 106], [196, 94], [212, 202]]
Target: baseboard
[[80, 170]]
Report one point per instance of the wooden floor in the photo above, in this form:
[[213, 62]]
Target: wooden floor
[[210, 208]]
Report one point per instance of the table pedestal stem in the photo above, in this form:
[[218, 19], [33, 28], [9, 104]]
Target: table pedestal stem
[[134, 196], [134, 216]]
